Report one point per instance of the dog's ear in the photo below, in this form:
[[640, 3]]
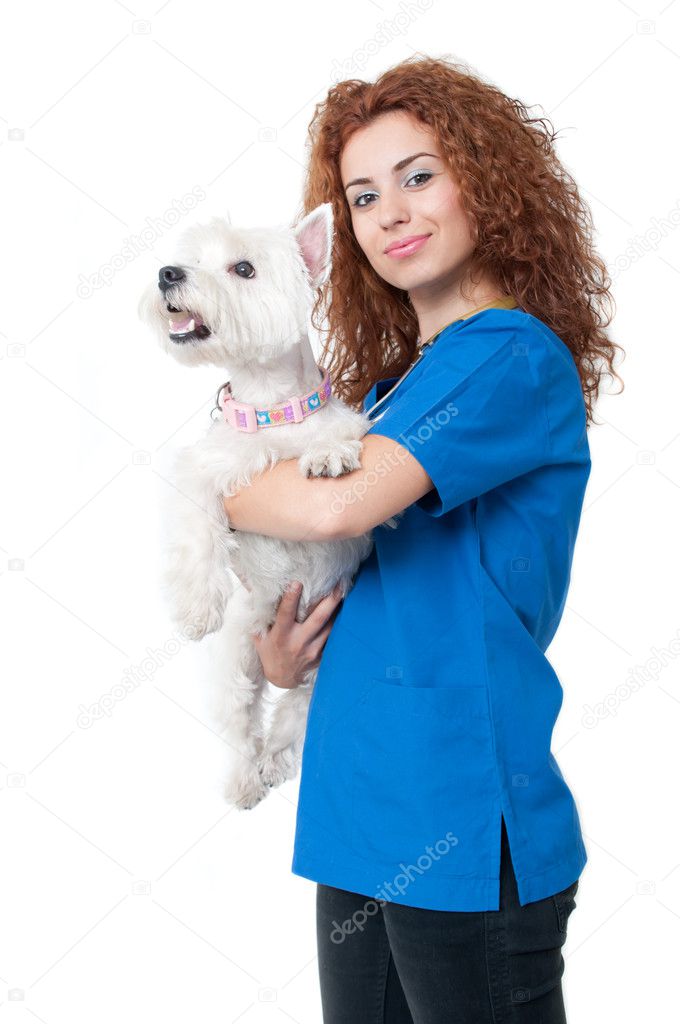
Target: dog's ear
[[314, 235]]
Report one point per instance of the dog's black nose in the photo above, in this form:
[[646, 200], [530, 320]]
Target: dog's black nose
[[167, 276]]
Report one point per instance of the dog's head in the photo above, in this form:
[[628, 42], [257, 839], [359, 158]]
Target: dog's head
[[239, 295]]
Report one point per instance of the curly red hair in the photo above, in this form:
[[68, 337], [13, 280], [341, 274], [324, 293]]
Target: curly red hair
[[532, 229]]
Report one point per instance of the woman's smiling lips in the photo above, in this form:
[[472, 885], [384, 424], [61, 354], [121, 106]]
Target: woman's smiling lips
[[407, 246]]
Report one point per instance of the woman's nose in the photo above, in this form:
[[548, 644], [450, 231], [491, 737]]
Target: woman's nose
[[392, 209]]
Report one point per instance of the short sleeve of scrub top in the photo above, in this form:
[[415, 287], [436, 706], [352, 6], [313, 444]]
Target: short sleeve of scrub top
[[433, 708], [474, 424]]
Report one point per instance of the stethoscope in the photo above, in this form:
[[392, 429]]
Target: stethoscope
[[504, 302], [413, 365]]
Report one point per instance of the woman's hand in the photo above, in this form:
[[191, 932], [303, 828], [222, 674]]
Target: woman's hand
[[289, 649]]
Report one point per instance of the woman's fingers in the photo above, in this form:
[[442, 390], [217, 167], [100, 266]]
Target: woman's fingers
[[317, 613], [289, 649], [319, 641], [315, 604], [288, 606], [326, 607]]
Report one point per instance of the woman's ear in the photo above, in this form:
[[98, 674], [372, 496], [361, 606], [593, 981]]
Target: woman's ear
[[314, 235]]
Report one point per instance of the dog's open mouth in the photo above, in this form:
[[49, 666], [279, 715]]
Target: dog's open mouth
[[185, 325]]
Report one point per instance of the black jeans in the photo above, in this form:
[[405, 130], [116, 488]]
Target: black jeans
[[392, 964]]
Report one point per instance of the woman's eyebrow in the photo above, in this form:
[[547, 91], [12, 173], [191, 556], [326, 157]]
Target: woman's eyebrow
[[397, 167]]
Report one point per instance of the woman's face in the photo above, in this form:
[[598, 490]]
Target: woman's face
[[402, 198]]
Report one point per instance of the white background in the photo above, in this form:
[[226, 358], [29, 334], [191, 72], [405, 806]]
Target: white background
[[130, 890]]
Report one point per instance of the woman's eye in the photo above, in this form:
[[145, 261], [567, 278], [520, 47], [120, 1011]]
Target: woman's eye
[[364, 195], [244, 269], [421, 174]]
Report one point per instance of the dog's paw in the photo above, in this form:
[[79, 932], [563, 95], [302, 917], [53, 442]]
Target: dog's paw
[[196, 600], [278, 767], [245, 790], [198, 621], [321, 460]]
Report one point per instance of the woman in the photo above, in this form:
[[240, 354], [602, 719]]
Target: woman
[[443, 838]]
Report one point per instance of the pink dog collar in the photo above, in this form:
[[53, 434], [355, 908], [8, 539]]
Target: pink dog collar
[[248, 418]]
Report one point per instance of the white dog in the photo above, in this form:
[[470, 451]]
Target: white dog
[[240, 299]]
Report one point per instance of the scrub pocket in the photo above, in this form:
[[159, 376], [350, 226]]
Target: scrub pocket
[[422, 775]]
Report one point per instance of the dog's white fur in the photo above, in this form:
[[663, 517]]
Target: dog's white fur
[[258, 331]]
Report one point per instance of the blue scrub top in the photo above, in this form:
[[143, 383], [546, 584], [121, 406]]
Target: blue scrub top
[[434, 704]]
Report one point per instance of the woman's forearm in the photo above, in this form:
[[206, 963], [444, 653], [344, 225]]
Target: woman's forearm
[[281, 502]]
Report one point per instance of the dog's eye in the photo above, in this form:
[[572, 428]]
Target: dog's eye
[[244, 269]]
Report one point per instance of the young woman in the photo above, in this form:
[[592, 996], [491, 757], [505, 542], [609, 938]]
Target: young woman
[[443, 838]]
